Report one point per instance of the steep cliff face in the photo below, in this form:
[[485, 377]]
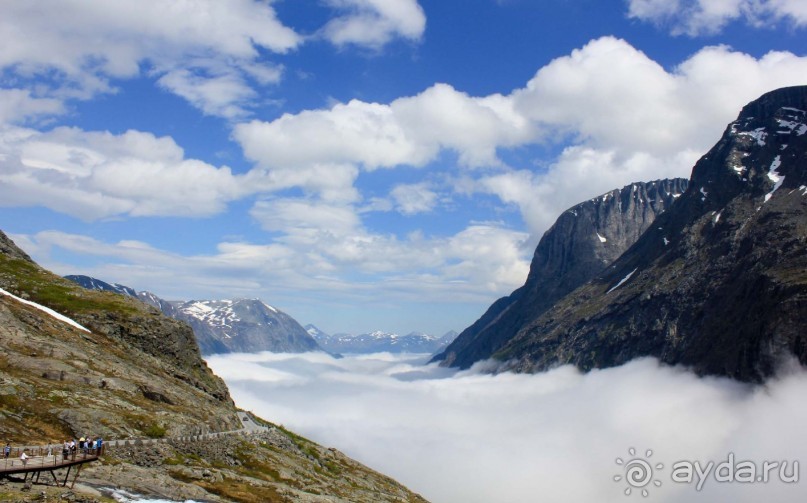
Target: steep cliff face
[[719, 282], [582, 242]]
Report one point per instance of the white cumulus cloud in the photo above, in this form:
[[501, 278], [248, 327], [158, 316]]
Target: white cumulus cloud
[[415, 198], [373, 23], [208, 52], [84, 44], [625, 116], [93, 175], [224, 95], [707, 17], [19, 105]]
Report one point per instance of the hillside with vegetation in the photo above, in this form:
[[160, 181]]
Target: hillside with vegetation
[[136, 374]]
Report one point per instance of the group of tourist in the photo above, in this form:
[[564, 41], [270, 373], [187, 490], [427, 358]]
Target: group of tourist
[[85, 445]]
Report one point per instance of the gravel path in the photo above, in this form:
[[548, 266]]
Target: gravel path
[[248, 427]]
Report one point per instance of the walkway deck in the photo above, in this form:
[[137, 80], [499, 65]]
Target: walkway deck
[[50, 459], [35, 465]]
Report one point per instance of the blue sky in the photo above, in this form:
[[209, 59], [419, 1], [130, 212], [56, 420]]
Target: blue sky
[[360, 164]]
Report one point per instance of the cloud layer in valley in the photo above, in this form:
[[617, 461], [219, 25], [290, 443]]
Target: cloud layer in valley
[[512, 437]]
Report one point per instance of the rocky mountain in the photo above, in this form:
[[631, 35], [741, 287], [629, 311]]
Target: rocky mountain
[[719, 282], [379, 342], [224, 326], [583, 241], [75, 361], [243, 325]]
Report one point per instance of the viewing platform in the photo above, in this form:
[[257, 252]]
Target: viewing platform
[[46, 459], [49, 458]]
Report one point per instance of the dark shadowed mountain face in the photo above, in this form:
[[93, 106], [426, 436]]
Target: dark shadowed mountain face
[[719, 282], [582, 242], [96, 284]]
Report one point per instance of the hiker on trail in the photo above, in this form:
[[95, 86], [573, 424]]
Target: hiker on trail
[[66, 450], [24, 458], [7, 450], [99, 443]]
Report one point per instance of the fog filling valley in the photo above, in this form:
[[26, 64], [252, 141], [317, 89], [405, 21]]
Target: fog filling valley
[[474, 437]]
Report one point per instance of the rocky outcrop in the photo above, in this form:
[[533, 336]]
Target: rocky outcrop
[[583, 241], [8, 248], [718, 282]]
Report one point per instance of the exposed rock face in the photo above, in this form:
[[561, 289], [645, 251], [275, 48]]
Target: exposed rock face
[[719, 282], [582, 242], [7, 247]]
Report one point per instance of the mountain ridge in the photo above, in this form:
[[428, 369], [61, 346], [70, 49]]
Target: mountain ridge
[[717, 283]]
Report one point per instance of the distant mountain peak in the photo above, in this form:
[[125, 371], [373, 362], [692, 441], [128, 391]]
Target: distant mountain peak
[[380, 341]]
